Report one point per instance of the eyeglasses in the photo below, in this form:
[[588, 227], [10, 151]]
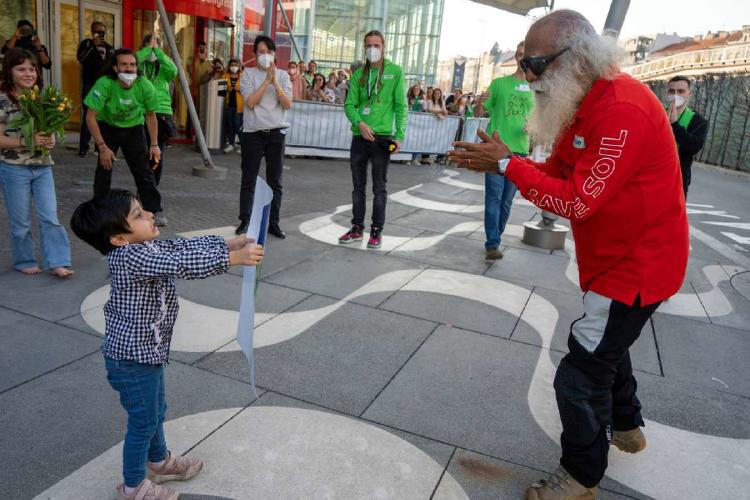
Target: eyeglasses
[[101, 33], [538, 64]]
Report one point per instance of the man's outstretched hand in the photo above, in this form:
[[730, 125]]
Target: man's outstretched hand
[[481, 157]]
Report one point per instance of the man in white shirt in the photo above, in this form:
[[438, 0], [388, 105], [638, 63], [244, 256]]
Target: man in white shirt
[[267, 92]]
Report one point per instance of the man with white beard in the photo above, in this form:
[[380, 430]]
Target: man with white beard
[[614, 172]]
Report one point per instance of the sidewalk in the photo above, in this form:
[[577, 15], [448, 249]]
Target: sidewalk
[[416, 371]]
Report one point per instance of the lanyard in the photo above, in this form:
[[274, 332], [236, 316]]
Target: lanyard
[[369, 88]]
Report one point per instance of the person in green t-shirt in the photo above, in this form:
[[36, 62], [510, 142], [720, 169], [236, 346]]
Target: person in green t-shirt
[[376, 99], [508, 103], [119, 104], [160, 70]]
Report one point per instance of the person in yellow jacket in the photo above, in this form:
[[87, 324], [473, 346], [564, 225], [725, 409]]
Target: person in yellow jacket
[[233, 105], [377, 107]]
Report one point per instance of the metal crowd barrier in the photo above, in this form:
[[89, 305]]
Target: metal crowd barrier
[[324, 128]]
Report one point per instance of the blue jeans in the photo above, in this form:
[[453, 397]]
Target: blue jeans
[[498, 200], [141, 389], [21, 185], [232, 124]]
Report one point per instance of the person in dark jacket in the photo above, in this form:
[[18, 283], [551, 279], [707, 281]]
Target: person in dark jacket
[[94, 56], [689, 127]]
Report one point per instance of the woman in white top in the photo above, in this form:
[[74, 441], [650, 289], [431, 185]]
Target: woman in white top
[[436, 104], [267, 92]]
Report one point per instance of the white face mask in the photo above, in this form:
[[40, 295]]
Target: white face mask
[[678, 100], [265, 60], [373, 54], [152, 57], [127, 78], [233, 69]]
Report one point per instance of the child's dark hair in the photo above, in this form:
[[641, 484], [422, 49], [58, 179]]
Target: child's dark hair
[[97, 220]]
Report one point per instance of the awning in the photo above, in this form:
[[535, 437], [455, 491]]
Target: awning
[[521, 7]]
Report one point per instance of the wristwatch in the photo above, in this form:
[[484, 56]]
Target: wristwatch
[[502, 164]]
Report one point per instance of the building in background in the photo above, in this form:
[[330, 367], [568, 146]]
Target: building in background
[[328, 31], [478, 71]]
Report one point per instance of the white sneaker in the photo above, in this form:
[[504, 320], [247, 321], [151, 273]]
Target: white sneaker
[[229, 149]]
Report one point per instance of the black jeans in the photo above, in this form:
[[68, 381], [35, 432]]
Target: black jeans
[[255, 146], [594, 384], [85, 136], [132, 140], [362, 151], [162, 137]]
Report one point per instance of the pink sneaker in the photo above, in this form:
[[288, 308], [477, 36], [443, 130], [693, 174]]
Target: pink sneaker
[[147, 491], [179, 468], [354, 234], [376, 238]]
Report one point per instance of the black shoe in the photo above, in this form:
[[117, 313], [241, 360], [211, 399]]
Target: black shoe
[[275, 230], [242, 228], [83, 154]]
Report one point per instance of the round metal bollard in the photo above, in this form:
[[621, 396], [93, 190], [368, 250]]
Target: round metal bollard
[[545, 233]]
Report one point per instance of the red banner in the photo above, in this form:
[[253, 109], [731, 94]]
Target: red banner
[[212, 9]]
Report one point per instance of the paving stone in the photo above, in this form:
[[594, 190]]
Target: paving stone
[[452, 253], [62, 297], [341, 361], [341, 273], [32, 347], [430, 396], [711, 356], [532, 268], [75, 410], [483, 304], [422, 219]]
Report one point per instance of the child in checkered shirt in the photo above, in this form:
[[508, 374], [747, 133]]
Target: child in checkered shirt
[[140, 316]]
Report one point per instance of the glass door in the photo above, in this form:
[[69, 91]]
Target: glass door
[[66, 72]]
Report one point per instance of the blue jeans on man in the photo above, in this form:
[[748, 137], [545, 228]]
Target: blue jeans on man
[[498, 200], [21, 184], [141, 389]]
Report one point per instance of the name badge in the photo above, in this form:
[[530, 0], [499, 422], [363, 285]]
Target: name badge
[[578, 142], [126, 102], [387, 77], [523, 87], [366, 110]]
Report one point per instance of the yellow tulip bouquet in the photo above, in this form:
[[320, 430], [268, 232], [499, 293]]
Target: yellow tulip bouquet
[[42, 112]]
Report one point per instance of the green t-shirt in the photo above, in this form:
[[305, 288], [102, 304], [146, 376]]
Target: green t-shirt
[[121, 107], [508, 106]]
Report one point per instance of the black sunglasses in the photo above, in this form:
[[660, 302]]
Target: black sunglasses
[[538, 64], [100, 33]]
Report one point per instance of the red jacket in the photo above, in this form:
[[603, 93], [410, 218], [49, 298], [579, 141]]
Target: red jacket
[[615, 174]]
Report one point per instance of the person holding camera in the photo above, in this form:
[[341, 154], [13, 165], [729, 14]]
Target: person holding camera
[[94, 54], [26, 38], [160, 70], [377, 98]]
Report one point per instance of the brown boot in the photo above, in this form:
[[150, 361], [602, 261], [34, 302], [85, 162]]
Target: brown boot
[[631, 441], [493, 254], [560, 486]]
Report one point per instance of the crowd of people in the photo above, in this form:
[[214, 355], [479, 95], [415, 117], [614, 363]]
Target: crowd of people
[[619, 170]]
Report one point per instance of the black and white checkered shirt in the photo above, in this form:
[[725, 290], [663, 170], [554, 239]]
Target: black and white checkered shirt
[[142, 306]]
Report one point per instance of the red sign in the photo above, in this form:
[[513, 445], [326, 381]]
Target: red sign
[[213, 9]]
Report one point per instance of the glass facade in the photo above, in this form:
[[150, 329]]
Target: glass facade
[[411, 28]]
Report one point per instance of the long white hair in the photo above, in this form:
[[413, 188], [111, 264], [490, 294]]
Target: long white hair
[[559, 91]]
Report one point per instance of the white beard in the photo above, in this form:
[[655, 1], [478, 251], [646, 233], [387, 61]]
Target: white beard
[[558, 94]]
